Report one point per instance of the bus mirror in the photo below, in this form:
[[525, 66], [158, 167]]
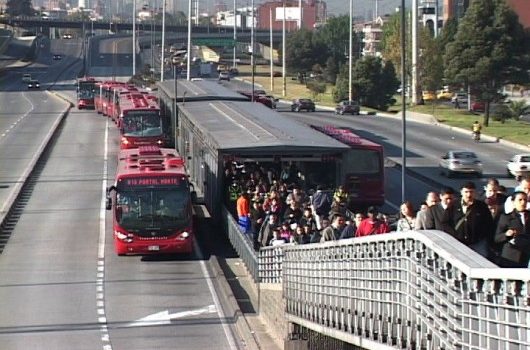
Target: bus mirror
[[108, 205], [193, 196], [189, 157]]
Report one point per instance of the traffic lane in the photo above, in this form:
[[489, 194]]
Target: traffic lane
[[155, 303], [425, 144], [48, 268]]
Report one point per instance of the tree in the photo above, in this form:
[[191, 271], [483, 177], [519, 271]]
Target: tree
[[330, 71], [430, 63], [373, 83], [302, 53], [19, 8], [490, 50], [316, 88], [391, 42]]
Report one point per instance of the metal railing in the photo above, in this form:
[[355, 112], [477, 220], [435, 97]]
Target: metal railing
[[414, 290]]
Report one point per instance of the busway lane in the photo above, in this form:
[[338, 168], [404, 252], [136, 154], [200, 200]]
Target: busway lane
[[48, 268]]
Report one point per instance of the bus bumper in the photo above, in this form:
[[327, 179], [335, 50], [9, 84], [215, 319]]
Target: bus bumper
[[169, 246]]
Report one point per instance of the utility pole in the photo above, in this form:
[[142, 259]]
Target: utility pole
[[414, 58], [284, 80], [188, 63], [403, 105], [235, 33], [271, 52], [350, 59], [162, 58], [252, 59], [134, 39]]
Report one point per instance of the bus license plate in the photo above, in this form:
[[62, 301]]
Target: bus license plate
[[153, 248]]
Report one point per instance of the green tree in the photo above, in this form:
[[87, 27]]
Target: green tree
[[19, 8], [330, 71], [373, 83], [335, 36], [430, 63], [391, 42], [302, 52], [490, 50]]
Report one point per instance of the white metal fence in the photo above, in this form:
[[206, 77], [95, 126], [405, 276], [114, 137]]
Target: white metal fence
[[414, 290]]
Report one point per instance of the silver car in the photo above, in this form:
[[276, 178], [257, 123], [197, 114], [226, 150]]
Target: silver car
[[460, 162]]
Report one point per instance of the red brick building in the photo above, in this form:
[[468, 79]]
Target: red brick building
[[456, 8], [313, 12]]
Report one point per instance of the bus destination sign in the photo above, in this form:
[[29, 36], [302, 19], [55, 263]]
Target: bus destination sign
[[152, 181]]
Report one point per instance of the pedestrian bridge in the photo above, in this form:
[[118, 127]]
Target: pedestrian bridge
[[406, 290]]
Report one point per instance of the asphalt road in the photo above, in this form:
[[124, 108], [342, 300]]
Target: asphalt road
[[61, 285]]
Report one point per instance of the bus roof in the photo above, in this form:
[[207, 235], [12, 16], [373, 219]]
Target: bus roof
[[199, 90], [237, 126], [139, 101], [149, 161], [347, 136]]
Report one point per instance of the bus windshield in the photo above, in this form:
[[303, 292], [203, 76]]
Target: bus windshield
[[154, 209], [141, 123], [86, 94], [362, 162]]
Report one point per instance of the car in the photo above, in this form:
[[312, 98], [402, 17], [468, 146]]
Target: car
[[224, 75], [478, 106], [57, 57], [26, 77], [267, 100], [460, 162], [519, 165], [33, 84], [461, 97], [67, 36], [351, 107], [444, 95], [428, 95], [302, 104], [233, 71]]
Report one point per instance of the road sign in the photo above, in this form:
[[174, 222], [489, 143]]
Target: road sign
[[214, 42]]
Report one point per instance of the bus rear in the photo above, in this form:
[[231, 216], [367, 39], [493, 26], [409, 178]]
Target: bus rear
[[362, 168], [151, 203]]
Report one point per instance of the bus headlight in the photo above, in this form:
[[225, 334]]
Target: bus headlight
[[183, 235], [123, 237]]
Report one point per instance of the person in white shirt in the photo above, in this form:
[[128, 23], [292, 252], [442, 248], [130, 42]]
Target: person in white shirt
[[524, 186]]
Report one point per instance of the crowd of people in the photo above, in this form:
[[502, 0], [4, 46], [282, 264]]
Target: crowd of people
[[272, 211]]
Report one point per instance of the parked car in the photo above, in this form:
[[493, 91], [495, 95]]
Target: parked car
[[460, 162], [444, 95], [302, 104], [33, 84], [478, 106], [224, 75], [351, 107], [428, 95], [519, 165], [461, 97]]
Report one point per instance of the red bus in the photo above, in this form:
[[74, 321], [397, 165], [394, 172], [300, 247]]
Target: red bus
[[86, 88], [104, 95], [139, 121], [362, 173], [151, 203]]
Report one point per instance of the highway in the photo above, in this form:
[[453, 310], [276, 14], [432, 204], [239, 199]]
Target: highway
[[61, 283]]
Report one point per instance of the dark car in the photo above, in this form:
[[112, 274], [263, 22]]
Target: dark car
[[267, 100], [57, 57], [303, 103], [348, 107], [33, 84]]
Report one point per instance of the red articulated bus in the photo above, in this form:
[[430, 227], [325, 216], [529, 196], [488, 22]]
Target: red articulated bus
[[139, 121], [362, 167], [151, 203], [86, 89], [104, 95], [113, 102]]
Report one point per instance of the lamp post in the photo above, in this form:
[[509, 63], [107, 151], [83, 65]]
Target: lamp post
[[252, 60], [188, 61], [176, 64], [162, 58], [403, 105], [350, 59], [284, 80], [134, 38], [271, 52], [235, 34]]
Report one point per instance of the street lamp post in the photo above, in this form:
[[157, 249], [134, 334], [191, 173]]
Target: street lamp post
[[175, 107], [284, 80], [403, 105], [252, 59], [134, 38], [350, 58], [235, 33], [162, 58]]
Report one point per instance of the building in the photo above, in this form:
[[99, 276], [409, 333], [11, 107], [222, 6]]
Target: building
[[311, 13], [457, 8], [372, 34]]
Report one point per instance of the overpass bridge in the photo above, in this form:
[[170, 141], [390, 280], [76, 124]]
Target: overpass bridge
[[402, 290], [220, 36]]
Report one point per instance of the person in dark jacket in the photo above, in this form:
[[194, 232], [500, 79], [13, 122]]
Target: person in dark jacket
[[472, 220], [513, 232], [437, 216]]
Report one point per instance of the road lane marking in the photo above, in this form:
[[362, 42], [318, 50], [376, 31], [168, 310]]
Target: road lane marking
[[100, 269]]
